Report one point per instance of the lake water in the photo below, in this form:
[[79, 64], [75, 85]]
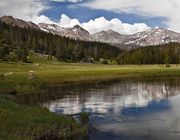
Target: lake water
[[124, 110]]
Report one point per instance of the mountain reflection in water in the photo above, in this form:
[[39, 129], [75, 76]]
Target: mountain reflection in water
[[113, 98], [134, 109]]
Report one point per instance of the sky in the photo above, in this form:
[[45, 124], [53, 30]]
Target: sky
[[123, 16]]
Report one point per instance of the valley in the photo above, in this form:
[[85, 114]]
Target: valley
[[18, 76], [51, 76]]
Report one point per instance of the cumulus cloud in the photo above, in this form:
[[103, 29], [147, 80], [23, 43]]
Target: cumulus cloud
[[25, 9], [66, 22], [102, 23], [169, 9], [30, 10]]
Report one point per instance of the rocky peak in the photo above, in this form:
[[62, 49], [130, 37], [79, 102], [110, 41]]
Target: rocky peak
[[52, 28], [77, 32], [154, 37], [78, 29], [18, 22], [109, 36], [111, 31]]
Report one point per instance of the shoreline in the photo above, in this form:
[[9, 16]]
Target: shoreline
[[20, 121], [17, 77], [28, 78]]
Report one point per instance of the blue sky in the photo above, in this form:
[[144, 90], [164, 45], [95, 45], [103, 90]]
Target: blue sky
[[123, 16], [84, 14]]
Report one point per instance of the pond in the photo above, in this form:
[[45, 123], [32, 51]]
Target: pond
[[146, 109]]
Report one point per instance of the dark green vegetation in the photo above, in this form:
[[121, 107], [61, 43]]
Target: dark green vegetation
[[15, 43], [21, 122], [163, 54]]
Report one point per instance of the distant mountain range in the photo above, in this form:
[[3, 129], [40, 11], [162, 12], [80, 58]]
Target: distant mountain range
[[76, 32], [150, 37]]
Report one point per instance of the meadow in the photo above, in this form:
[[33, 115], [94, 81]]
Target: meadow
[[30, 77]]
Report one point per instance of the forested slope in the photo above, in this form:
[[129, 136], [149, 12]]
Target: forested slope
[[15, 43], [161, 54]]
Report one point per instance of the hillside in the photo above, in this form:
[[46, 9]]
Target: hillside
[[153, 36], [18, 39], [157, 54]]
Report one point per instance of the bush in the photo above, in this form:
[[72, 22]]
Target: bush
[[168, 66]]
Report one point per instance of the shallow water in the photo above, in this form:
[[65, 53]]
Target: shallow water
[[125, 110]]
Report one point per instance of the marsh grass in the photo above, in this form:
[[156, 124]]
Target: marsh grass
[[67, 73], [21, 122]]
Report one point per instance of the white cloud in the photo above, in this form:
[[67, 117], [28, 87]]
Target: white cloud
[[101, 23], [30, 10], [25, 9], [65, 21], [72, 1], [42, 19], [169, 9]]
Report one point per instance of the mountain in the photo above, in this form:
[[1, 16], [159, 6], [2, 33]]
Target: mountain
[[18, 22], [153, 37], [16, 41], [109, 36], [52, 28], [113, 38], [77, 32], [146, 38]]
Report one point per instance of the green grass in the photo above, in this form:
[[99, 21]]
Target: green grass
[[56, 73], [21, 122]]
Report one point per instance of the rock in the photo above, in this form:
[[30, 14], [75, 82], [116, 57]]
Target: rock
[[9, 73]]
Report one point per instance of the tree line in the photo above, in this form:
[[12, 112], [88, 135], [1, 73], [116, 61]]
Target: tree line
[[16, 42], [160, 54]]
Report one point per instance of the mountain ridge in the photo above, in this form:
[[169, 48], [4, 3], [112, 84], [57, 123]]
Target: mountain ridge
[[156, 36], [18, 22]]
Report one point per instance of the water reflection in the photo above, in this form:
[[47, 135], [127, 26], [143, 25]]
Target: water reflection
[[113, 98], [126, 110]]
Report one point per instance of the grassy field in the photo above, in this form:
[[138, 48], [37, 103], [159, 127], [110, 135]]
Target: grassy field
[[17, 75], [21, 122], [31, 122]]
